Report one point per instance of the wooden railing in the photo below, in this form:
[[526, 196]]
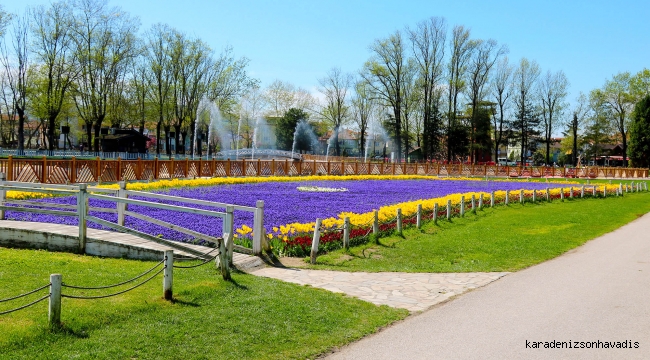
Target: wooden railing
[[97, 170]]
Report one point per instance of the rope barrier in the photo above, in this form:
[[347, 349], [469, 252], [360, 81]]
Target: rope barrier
[[193, 266], [25, 294], [115, 285], [26, 306], [117, 293]]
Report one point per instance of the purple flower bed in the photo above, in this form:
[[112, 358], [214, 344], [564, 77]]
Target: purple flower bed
[[283, 203]]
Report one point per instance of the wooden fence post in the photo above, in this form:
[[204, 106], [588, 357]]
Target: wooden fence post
[[10, 168], [548, 194], [315, 241], [168, 277], [375, 223], [54, 313], [259, 237], [507, 197], [473, 204], [594, 189], [435, 213], [121, 207], [73, 170], [44, 171], [462, 206], [222, 259], [480, 201], [418, 218], [582, 191], [521, 196], [561, 194], [399, 220], [82, 212], [3, 195], [492, 198], [534, 196], [448, 209], [571, 192], [346, 232], [99, 168]]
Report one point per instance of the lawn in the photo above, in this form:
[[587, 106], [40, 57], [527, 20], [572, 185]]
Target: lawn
[[248, 318], [495, 239]]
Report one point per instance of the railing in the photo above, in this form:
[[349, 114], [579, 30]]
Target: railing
[[75, 153], [63, 171], [81, 210]]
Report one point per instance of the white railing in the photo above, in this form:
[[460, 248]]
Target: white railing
[[121, 198]]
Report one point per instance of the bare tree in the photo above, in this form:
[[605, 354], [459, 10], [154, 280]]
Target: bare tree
[[502, 90], [428, 44], [527, 119], [336, 110], [384, 73], [552, 92], [16, 66], [282, 96], [363, 109], [461, 51]]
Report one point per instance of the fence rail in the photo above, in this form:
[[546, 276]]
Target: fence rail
[[65, 171]]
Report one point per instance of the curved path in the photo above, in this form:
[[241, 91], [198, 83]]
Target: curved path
[[596, 294]]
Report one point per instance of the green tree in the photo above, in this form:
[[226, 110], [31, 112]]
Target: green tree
[[619, 102], [526, 118], [640, 134], [286, 126]]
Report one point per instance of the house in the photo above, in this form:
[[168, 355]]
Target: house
[[124, 140]]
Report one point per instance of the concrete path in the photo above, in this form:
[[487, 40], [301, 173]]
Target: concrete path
[[597, 293], [411, 291]]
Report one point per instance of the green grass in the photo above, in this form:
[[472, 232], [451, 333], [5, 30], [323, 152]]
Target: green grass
[[499, 239], [249, 317]]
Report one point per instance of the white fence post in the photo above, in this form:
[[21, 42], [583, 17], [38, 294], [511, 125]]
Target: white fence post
[[582, 191], [521, 196], [315, 241], [3, 195], [492, 198], [480, 201], [473, 204], [548, 194], [462, 206], [418, 218], [375, 223], [571, 190], [534, 196], [507, 197], [346, 232], [121, 207], [82, 212], [399, 221], [435, 213], [448, 209], [594, 188], [168, 277], [259, 237], [562, 194], [54, 313], [228, 224]]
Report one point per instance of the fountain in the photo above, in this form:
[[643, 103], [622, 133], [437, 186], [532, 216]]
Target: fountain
[[303, 137]]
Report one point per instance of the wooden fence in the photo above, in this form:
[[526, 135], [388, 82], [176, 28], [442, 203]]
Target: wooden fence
[[97, 170]]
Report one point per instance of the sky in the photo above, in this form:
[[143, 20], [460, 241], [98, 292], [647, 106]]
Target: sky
[[300, 41]]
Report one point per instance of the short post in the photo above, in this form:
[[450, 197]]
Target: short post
[[492, 198], [435, 213], [562, 194], [82, 212], [259, 237], [375, 223], [582, 191], [548, 194], [507, 197], [222, 260], [3, 195], [480, 201], [604, 191], [399, 220], [121, 207], [534, 196], [346, 232], [228, 228], [473, 204], [315, 241], [594, 188], [521, 196], [462, 206], [626, 187], [54, 313], [571, 192], [418, 217], [448, 209], [168, 277]]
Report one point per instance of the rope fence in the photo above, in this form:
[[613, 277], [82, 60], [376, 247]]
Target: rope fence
[[114, 285], [114, 294]]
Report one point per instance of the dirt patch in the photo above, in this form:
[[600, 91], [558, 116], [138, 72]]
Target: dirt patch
[[293, 262]]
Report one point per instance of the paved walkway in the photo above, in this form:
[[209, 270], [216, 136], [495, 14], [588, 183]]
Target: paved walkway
[[411, 291], [598, 293]]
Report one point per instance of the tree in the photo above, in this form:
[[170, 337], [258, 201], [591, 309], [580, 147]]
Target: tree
[[336, 110], [286, 127], [16, 65], [640, 84], [461, 50], [598, 127], [575, 124], [619, 102], [5, 18], [282, 96], [485, 55], [552, 92], [364, 108], [502, 89], [428, 44], [53, 47], [105, 43], [384, 72], [640, 134], [526, 119]]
